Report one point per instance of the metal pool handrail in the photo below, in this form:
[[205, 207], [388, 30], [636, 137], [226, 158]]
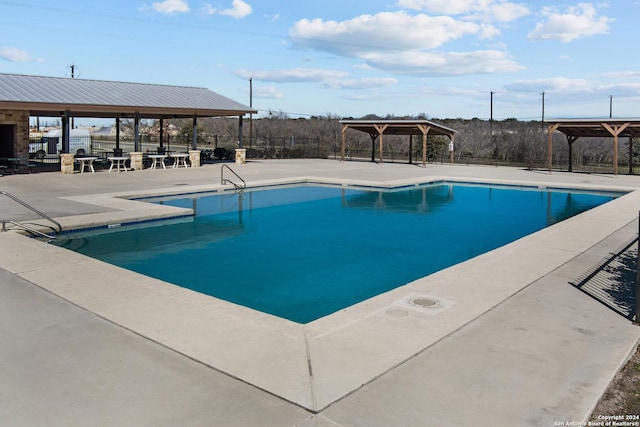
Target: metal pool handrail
[[223, 180], [32, 209]]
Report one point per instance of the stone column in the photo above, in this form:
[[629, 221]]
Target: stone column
[[194, 158], [241, 156], [136, 160], [66, 163]]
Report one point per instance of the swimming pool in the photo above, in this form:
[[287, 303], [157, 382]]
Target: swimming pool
[[307, 251]]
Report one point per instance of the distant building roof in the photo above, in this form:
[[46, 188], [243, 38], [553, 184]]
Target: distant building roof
[[51, 96]]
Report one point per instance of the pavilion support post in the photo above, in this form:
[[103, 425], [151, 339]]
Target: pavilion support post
[[117, 151], [136, 133], [65, 132], [410, 148], [241, 152], [161, 136], [194, 153], [66, 158], [194, 142], [136, 155]]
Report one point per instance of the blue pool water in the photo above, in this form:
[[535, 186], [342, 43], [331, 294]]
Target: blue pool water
[[305, 252]]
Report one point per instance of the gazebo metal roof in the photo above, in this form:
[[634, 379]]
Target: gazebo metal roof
[[52, 96]]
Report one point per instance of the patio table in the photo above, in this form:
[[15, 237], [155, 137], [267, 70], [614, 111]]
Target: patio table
[[86, 162], [158, 159], [118, 161], [180, 159]]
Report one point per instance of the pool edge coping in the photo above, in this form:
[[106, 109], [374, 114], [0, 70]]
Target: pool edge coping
[[309, 337]]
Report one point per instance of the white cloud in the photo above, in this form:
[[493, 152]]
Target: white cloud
[[171, 6], [383, 31], [445, 63], [327, 78], [486, 10], [399, 42], [268, 92], [239, 9], [578, 21], [364, 83], [553, 84], [622, 74], [572, 90], [13, 54], [207, 9], [293, 75]]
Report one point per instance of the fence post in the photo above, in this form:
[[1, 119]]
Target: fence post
[[638, 276]]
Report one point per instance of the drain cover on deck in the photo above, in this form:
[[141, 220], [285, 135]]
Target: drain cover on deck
[[427, 304], [424, 302]]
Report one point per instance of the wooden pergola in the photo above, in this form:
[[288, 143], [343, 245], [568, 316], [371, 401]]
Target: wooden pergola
[[603, 128], [378, 128]]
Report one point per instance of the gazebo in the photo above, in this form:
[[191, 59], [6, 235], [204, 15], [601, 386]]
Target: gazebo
[[379, 128], [22, 96], [576, 128]]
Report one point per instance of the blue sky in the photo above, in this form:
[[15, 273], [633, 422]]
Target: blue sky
[[349, 58]]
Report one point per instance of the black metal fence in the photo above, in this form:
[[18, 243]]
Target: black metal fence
[[40, 151], [286, 148]]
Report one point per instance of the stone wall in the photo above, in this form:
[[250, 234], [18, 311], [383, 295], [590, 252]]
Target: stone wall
[[20, 118]]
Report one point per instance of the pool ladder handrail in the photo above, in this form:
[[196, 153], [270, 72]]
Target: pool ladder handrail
[[224, 180], [25, 226]]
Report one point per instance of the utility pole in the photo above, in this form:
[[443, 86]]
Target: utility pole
[[251, 114], [610, 106], [542, 111], [72, 67]]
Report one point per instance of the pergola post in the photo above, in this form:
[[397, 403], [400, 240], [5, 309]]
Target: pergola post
[[630, 155], [451, 148], [373, 137], [343, 145], [570, 141], [410, 148], [615, 131], [552, 128], [381, 130], [425, 131]]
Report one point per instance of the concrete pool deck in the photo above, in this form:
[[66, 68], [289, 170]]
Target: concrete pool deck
[[510, 343]]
